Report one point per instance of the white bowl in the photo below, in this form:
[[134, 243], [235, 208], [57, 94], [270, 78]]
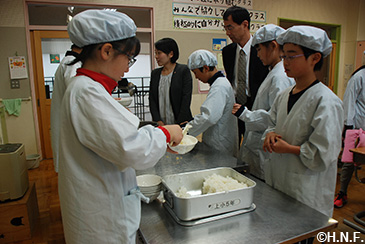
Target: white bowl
[[148, 181], [186, 145], [153, 196], [151, 189], [125, 101]]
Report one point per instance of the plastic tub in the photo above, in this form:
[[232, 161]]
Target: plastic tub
[[33, 161]]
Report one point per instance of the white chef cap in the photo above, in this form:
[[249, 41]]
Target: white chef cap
[[267, 33], [201, 57], [100, 26], [307, 36]]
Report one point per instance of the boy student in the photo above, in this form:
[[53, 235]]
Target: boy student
[[100, 143], [304, 136], [215, 121], [269, 51]]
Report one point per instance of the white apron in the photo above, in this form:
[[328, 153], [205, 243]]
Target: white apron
[[100, 148], [315, 124], [216, 121], [256, 121]]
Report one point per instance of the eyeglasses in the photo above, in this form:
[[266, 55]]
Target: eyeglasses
[[228, 28], [131, 59], [290, 58]]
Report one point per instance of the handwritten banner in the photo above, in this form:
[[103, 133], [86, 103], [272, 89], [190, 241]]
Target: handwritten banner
[[255, 26], [195, 23], [197, 10], [257, 16], [225, 3], [212, 12]]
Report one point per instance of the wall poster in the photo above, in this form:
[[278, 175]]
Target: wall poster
[[17, 67], [208, 14]]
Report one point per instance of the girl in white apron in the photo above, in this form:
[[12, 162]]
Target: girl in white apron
[[100, 143]]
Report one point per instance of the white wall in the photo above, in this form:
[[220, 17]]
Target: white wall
[[21, 129]]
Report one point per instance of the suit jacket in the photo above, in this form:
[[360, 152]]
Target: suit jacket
[[257, 71], [180, 93]]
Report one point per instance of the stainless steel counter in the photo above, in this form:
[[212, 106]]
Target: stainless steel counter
[[277, 218]]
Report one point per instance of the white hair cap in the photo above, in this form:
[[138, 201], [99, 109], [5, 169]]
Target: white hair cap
[[201, 57], [100, 26], [267, 33], [307, 36]]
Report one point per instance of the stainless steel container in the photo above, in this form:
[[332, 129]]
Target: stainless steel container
[[200, 206]]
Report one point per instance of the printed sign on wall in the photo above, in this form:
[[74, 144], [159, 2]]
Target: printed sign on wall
[[18, 68], [218, 44]]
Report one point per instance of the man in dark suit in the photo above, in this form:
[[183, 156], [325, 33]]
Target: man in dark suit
[[243, 68]]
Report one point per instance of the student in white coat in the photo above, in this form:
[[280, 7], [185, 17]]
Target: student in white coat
[[100, 143], [354, 100], [215, 121], [256, 121], [354, 108], [63, 75], [304, 136]]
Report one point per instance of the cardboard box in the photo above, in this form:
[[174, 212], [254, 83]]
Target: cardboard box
[[18, 218]]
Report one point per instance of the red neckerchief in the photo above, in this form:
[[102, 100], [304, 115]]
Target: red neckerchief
[[108, 83]]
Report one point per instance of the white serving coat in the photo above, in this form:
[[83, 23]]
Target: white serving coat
[[315, 124], [216, 121], [354, 100], [63, 76], [256, 121], [98, 139]]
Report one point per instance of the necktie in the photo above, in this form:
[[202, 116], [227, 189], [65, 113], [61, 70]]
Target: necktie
[[241, 79]]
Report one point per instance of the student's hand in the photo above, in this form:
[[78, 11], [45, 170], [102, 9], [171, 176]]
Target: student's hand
[[270, 140], [171, 151], [281, 146], [236, 106], [175, 133], [160, 123]]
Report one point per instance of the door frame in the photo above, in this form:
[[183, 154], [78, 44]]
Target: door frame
[[360, 54], [43, 104], [335, 54], [33, 76]]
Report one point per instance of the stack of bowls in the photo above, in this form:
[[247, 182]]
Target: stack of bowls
[[150, 185]]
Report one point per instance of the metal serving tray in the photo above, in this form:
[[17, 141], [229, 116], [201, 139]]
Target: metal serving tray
[[200, 206]]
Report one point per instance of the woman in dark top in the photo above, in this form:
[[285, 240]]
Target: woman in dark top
[[170, 86]]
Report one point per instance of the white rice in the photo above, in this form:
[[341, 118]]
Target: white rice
[[218, 183], [186, 141], [183, 192], [214, 183]]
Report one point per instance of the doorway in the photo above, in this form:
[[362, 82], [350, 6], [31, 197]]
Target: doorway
[[329, 72], [51, 27], [44, 63], [360, 54]]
